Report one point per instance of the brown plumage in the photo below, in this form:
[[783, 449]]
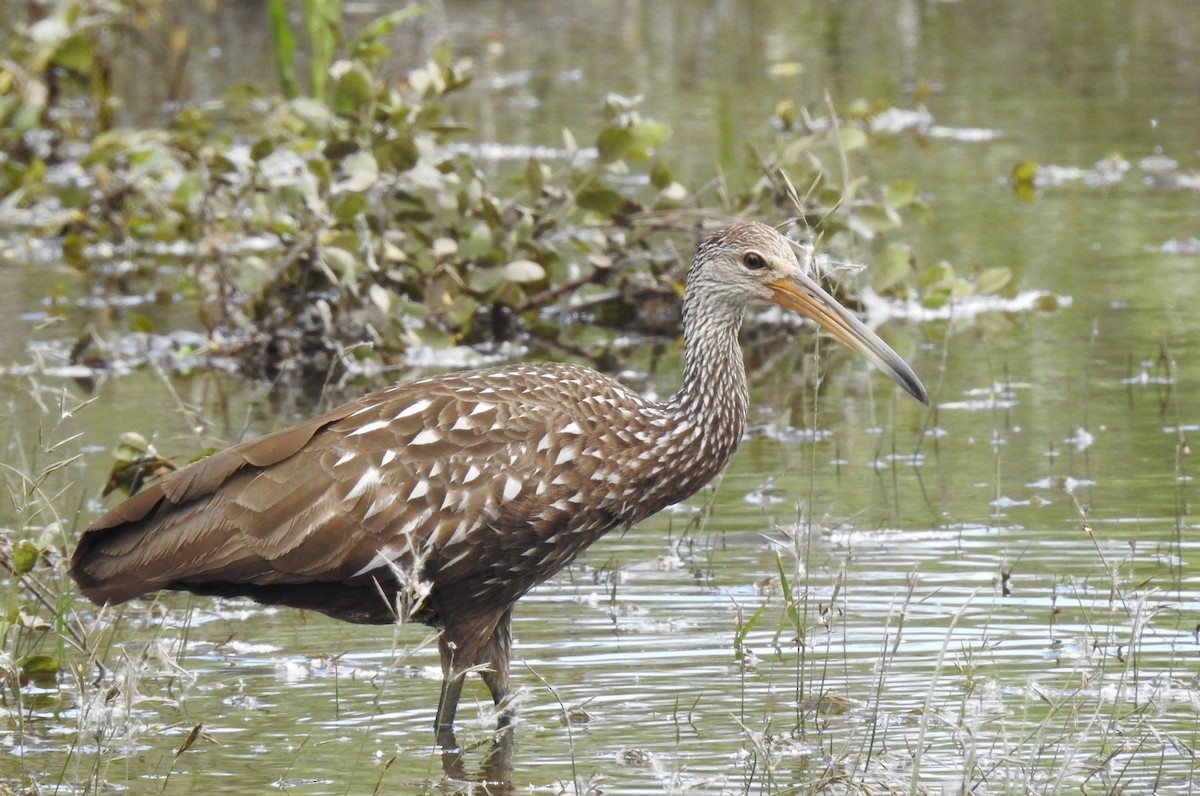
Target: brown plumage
[[450, 497]]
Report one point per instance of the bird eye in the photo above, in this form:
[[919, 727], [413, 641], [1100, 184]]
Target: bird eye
[[753, 261]]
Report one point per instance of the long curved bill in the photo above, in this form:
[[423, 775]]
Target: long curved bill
[[801, 294]]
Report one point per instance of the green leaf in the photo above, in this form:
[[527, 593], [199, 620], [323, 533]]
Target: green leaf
[[346, 207], [536, 173], [849, 139], [361, 172], [899, 193], [461, 310], [523, 271], [599, 199], [34, 665], [1048, 302], [937, 284], [569, 143], [790, 609], [938, 276], [660, 175], [24, 115], [381, 27], [785, 112], [993, 280], [744, 628], [647, 134], [261, 148], [1024, 173], [381, 297], [671, 197], [920, 210], [352, 88], [877, 217], [892, 267], [399, 153], [478, 245], [25, 556], [75, 54], [140, 322], [936, 300], [483, 281], [613, 142], [490, 213], [441, 54], [435, 337], [340, 261]]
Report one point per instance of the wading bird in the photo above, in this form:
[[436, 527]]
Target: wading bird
[[450, 497]]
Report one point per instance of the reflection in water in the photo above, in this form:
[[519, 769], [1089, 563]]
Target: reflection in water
[[494, 773]]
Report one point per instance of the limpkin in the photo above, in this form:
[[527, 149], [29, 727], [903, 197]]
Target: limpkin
[[476, 486]]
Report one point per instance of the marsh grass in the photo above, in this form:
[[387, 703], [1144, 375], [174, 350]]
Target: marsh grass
[[1082, 681], [1102, 710]]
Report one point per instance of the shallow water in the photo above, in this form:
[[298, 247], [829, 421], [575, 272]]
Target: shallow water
[[1002, 588]]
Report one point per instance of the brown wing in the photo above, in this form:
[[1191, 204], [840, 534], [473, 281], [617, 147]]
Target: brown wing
[[406, 475]]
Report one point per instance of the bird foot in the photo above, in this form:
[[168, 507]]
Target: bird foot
[[446, 738]]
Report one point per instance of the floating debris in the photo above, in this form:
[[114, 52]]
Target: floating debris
[[1180, 247], [880, 309], [1081, 440], [1063, 483]]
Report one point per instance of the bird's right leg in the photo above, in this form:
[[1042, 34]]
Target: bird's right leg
[[483, 646], [452, 686]]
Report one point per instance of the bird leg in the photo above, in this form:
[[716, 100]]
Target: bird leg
[[452, 685], [461, 652], [495, 655]]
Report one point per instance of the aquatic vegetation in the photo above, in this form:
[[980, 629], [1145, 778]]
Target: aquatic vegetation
[[341, 222]]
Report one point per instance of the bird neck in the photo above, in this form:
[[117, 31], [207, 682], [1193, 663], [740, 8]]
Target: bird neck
[[710, 407], [692, 435]]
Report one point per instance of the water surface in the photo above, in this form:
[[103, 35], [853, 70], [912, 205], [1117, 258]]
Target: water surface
[[1005, 581]]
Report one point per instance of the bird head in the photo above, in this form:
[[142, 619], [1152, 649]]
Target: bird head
[[749, 263]]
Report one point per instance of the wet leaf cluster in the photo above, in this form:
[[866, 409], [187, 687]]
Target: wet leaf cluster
[[895, 272], [135, 463], [351, 221]]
